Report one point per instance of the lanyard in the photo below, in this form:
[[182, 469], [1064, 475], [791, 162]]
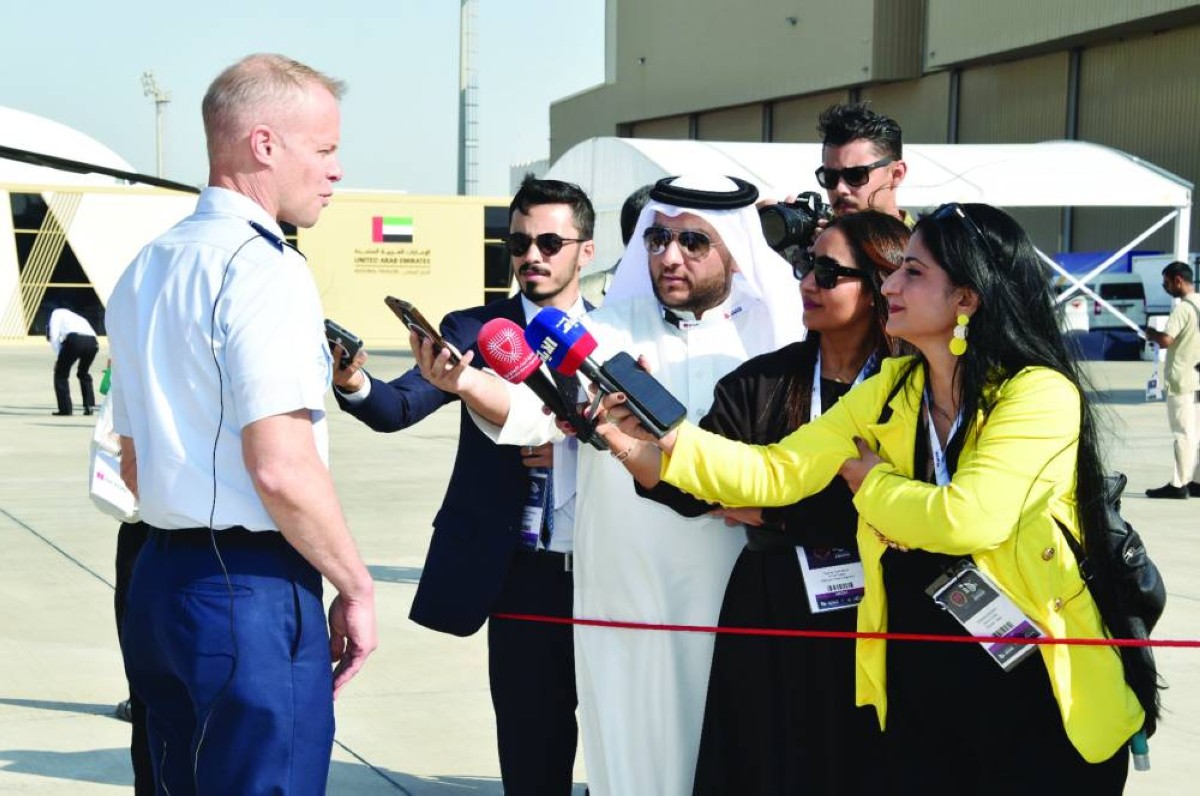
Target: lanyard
[[941, 470], [815, 408]]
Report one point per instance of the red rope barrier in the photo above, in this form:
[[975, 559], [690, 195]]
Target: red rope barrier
[[848, 634]]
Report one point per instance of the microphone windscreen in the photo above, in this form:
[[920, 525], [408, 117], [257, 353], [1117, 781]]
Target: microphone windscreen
[[505, 351], [562, 343]]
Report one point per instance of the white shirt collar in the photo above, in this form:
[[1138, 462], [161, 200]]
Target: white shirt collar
[[530, 309], [222, 201]]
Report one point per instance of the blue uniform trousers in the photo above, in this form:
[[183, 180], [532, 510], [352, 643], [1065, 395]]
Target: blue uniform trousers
[[238, 687]]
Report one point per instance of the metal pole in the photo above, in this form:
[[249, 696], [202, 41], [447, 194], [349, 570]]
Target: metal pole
[[158, 137], [150, 88]]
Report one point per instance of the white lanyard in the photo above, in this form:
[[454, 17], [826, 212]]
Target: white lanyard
[[815, 407], [941, 470]]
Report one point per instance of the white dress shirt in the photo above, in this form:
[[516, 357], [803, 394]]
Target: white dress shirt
[[527, 424], [64, 322], [214, 325]]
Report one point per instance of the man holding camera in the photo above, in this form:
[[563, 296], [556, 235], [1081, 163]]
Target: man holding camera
[[1181, 338], [861, 161]]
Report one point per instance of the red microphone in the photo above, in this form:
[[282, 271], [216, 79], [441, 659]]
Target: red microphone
[[505, 351]]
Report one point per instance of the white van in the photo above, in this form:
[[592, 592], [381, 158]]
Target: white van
[[1125, 292]]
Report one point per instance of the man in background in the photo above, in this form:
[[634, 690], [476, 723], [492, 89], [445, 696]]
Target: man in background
[[862, 162], [73, 340], [1181, 339]]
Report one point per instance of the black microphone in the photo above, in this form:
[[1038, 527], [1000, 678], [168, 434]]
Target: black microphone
[[567, 346], [505, 351]]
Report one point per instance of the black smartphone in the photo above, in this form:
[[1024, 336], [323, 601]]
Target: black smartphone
[[411, 317], [349, 341], [647, 398]]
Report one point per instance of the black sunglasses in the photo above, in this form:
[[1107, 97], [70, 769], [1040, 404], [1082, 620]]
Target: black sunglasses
[[955, 210], [855, 176], [694, 244], [825, 270], [548, 243]]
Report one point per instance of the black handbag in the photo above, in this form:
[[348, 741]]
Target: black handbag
[[1129, 592]]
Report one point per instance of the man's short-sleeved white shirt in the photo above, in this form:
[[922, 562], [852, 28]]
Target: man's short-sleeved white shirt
[[214, 325], [1182, 355]]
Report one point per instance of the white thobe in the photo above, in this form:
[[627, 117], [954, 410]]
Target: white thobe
[[641, 692]]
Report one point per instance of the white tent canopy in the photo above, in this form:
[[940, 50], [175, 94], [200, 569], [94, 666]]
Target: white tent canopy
[[1007, 175], [22, 130]]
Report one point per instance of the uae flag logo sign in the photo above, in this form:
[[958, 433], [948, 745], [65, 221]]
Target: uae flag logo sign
[[391, 229]]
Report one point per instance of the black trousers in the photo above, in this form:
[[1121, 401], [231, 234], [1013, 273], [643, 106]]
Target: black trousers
[[130, 539], [531, 667], [75, 348]]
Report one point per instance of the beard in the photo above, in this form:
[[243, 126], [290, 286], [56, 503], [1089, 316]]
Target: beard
[[703, 295], [549, 287]]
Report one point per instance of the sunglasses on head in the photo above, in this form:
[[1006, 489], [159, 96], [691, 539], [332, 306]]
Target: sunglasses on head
[[692, 242], [953, 210], [548, 243], [825, 270], [855, 176]]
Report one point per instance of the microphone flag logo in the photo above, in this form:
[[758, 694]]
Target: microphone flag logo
[[505, 351]]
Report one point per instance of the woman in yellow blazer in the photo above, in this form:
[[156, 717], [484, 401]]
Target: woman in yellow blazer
[[979, 451]]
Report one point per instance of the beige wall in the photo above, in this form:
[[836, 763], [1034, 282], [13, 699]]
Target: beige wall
[[1018, 102], [1141, 96], [731, 124], [960, 31], [1011, 61], [1015, 102], [672, 127], [440, 271], [921, 106], [677, 57], [585, 115], [794, 121], [728, 54]]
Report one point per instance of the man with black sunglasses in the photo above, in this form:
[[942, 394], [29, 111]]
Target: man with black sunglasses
[[485, 555], [697, 293], [862, 161]]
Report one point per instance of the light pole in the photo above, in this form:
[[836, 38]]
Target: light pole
[[150, 89]]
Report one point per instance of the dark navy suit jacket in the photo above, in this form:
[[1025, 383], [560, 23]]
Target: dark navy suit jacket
[[476, 530]]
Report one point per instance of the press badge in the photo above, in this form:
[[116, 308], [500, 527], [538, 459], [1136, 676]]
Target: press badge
[[534, 512], [833, 577], [979, 606]]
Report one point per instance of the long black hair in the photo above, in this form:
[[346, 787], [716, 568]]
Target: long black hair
[[1016, 326]]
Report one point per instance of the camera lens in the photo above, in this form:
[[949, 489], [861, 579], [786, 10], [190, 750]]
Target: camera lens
[[774, 224], [788, 224]]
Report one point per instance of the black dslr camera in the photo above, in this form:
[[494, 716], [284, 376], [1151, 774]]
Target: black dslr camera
[[793, 224]]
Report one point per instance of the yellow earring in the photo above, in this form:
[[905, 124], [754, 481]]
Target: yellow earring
[[958, 343]]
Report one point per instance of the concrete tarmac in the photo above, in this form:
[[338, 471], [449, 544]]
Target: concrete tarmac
[[418, 719]]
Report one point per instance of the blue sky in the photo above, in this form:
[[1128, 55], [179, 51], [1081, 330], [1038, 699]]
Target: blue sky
[[80, 63]]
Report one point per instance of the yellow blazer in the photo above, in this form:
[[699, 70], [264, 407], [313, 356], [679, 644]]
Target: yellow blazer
[[1015, 477]]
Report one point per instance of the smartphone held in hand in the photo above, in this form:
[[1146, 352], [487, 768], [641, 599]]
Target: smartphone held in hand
[[350, 343], [411, 317]]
